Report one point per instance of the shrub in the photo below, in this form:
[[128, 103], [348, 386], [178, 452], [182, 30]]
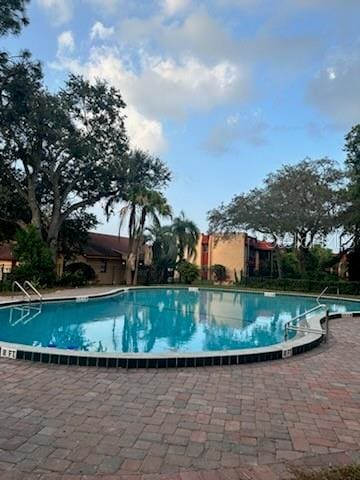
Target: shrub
[[77, 274], [5, 285], [34, 257], [87, 271], [302, 285], [73, 279], [219, 272], [290, 264], [188, 272]]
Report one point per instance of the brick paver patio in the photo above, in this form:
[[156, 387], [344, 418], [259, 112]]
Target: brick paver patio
[[242, 422]]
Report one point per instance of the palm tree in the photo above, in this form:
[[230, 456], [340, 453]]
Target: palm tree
[[141, 196], [164, 249], [187, 235], [153, 206]]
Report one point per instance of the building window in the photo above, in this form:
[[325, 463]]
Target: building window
[[103, 266]]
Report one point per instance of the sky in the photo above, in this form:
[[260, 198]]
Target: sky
[[224, 91]]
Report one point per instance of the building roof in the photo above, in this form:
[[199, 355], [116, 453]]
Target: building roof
[[263, 245], [5, 252], [102, 245]]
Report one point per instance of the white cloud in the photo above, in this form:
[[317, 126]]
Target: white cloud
[[335, 90], [198, 33], [173, 7], [162, 87], [331, 73], [107, 6], [66, 43], [98, 30], [224, 136], [61, 11], [144, 132], [172, 88]]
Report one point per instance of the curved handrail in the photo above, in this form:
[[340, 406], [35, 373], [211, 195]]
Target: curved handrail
[[300, 315], [31, 286], [17, 284], [321, 294]]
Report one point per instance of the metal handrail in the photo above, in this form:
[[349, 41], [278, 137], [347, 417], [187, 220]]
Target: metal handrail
[[17, 284], [289, 326], [31, 286], [321, 294]]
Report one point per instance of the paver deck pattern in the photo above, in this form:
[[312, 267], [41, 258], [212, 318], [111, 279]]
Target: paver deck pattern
[[253, 421]]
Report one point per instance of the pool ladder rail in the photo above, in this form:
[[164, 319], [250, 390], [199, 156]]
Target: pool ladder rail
[[27, 313], [293, 324], [24, 289]]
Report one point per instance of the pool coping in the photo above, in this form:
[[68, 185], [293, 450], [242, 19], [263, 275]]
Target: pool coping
[[299, 344]]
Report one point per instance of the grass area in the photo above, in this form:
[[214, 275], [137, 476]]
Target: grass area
[[350, 472]]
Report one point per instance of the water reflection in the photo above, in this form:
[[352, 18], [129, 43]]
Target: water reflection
[[159, 320]]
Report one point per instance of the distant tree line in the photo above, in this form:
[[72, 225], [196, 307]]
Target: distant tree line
[[297, 207]]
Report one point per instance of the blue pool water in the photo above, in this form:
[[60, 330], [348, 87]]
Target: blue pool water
[[159, 320]]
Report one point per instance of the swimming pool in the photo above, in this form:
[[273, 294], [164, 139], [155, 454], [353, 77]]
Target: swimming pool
[[159, 321]]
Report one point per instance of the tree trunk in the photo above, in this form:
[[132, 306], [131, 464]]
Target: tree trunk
[[34, 207], [302, 252], [278, 261], [138, 242], [132, 231], [128, 273], [136, 270]]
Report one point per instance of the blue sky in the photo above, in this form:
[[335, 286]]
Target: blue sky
[[225, 91]]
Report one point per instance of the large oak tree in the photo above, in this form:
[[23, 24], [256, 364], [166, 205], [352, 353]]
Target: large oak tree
[[296, 205], [59, 152], [352, 217]]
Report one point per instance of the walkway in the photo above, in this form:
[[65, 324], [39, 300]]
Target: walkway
[[65, 292], [241, 422]]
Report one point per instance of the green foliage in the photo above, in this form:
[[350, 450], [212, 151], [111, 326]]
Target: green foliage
[[311, 263], [74, 234], [142, 200], [171, 244], [5, 285], [290, 264], [34, 257], [219, 272], [352, 216], [87, 271], [73, 279], [164, 250], [69, 150], [187, 236], [77, 274], [188, 272], [302, 285], [12, 16], [296, 205]]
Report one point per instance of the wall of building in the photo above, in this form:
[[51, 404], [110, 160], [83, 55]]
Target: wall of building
[[230, 252], [5, 267], [114, 273]]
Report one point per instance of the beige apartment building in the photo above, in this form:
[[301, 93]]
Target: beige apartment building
[[240, 254]]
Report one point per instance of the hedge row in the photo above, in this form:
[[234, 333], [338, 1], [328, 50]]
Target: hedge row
[[302, 285]]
